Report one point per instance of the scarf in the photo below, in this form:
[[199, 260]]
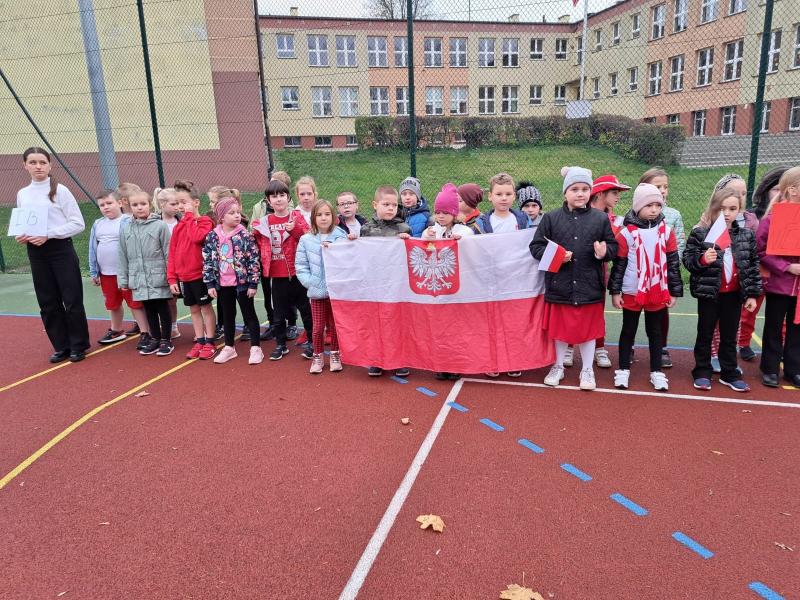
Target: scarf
[[651, 276]]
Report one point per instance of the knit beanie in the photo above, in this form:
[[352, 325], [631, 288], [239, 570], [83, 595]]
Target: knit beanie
[[528, 194], [223, 206], [447, 200], [471, 194], [411, 183], [644, 194], [573, 175]]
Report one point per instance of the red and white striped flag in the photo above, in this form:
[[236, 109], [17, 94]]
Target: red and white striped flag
[[553, 257], [575, 3], [718, 234]]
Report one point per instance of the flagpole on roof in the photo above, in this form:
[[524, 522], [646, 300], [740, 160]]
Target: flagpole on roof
[[583, 42]]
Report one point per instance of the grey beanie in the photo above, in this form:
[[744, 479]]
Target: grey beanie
[[411, 183], [573, 175]]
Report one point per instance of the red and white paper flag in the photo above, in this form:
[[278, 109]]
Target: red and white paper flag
[[553, 257], [718, 234]]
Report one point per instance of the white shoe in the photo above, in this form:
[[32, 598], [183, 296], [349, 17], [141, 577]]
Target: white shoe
[[176, 333], [555, 376], [621, 377], [659, 381], [317, 362], [226, 354], [336, 361], [587, 379], [569, 357], [601, 358], [256, 356]]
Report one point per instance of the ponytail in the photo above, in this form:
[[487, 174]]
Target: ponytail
[[53, 189]]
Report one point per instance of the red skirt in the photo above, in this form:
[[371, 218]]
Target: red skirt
[[574, 324]]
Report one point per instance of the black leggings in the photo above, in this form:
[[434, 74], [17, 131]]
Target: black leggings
[[652, 325], [266, 288], [159, 318], [226, 302]]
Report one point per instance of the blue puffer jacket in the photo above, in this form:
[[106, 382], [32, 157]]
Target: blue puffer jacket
[[418, 218], [308, 261], [484, 222]]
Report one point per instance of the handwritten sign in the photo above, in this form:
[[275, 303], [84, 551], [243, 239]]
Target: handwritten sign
[[28, 221], [784, 230]]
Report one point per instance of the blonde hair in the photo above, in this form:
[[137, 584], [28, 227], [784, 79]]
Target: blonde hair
[[315, 209], [501, 179], [139, 192], [220, 191], [652, 173], [345, 193], [711, 212], [160, 197], [791, 178], [283, 177], [126, 190], [305, 180], [385, 190]]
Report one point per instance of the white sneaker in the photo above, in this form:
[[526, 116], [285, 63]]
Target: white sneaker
[[587, 379], [226, 354], [176, 333], [621, 377], [317, 362], [659, 381], [601, 358], [555, 376], [569, 357], [336, 361], [256, 356]]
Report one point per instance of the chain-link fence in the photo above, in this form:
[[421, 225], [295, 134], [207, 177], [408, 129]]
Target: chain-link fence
[[523, 86]]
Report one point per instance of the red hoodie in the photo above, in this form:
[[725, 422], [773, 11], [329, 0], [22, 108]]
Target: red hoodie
[[185, 262]]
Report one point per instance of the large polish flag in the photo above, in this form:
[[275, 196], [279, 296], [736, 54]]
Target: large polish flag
[[468, 306]]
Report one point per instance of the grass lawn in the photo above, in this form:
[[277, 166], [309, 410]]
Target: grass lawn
[[361, 171]]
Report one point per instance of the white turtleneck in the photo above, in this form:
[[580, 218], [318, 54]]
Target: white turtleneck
[[64, 218]]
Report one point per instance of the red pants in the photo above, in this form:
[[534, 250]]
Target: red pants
[[322, 317]]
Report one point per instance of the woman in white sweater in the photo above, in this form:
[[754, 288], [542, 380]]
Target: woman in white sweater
[[54, 263]]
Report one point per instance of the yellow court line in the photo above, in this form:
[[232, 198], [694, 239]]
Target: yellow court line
[[789, 387], [757, 340]]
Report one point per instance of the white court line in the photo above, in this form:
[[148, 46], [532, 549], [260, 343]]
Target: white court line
[[635, 393], [367, 559]]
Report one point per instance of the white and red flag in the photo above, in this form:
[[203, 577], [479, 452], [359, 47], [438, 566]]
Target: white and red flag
[[553, 257], [469, 306], [718, 234]]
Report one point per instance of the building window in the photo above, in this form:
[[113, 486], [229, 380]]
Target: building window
[[535, 95], [434, 101], [681, 21], [615, 33], [612, 83], [433, 52], [561, 49], [378, 101], [676, 73], [794, 114], [765, 114], [596, 88], [486, 100], [560, 94], [285, 43], [774, 56], [400, 52], [728, 117], [401, 98], [578, 50], [345, 51], [322, 141], [650, 120], [459, 96], [510, 103], [659, 18], [633, 79], [705, 66], [699, 123], [537, 48], [673, 119], [351, 141], [598, 40], [317, 50], [486, 52], [458, 52], [290, 98], [292, 141], [708, 10], [348, 101], [796, 55], [733, 60], [654, 78], [510, 52], [376, 51], [737, 6], [636, 28], [321, 103]]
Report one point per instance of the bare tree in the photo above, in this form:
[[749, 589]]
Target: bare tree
[[396, 9]]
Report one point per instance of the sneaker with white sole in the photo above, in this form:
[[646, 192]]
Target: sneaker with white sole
[[587, 379], [256, 356], [176, 333], [317, 363], [336, 361], [621, 378], [569, 357], [226, 354], [555, 376], [601, 358], [659, 381]]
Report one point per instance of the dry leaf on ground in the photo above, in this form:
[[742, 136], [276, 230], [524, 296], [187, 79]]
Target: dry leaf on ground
[[517, 592], [717, 452], [405, 420], [433, 521], [784, 546], [142, 394]]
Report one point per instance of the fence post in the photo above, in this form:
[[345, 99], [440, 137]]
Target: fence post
[[262, 83], [150, 96], [412, 116], [758, 105]]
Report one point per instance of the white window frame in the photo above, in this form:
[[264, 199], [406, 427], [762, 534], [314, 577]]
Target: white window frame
[[401, 100], [351, 141], [737, 6], [699, 117], [509, 104], [796, 49], [658, 20], [733, 61], [774, 56], [596, 88], [537, 48], [510, 52], [709, 11], [674, 119], [561, 54], [348, 101], [615, 33], [560, 95], [727, 120], [766, 113], [676, 67], [378, 101], [458, 52], [794, 114], [285, 49], [290, 100], [459, 100], [434, 101], [323, 144], [321, 102], [401, 53], [636, 25], [346, 51], [613, 83], [535, 95], [486, 52], [598, 40], [705, 68], [680, 20], [318, 50], [578, 50], [486, 100], [299, 143], [633, 79], [432, 51], [377, 55], [654, 73]]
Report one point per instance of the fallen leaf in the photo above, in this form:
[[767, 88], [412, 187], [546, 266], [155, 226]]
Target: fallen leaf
[[318, 508], [747, 411], [786, 514], [517, 592], [142, 394], [104, 523], [405, 420], [61, 594], [437, 551], [717, 452], [434, 521], [784, 546]]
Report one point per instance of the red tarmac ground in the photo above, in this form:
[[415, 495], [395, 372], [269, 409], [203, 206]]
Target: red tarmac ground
[[232, 481]]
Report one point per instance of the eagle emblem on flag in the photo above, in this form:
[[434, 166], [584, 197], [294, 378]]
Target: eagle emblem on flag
[[433, 267]]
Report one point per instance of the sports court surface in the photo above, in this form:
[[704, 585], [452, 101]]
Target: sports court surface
[[229, 481]]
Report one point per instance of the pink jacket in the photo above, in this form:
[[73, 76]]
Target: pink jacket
[[774, 268]]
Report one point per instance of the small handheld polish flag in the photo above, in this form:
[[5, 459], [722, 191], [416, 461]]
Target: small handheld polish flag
[[553, 257], [718, 234]]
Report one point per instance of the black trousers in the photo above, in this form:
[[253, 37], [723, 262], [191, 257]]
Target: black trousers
[[780, 308], [289, 294], [59, 292], [266, 287], [227, 297], [159, 318], [725, 309], [652, 324]]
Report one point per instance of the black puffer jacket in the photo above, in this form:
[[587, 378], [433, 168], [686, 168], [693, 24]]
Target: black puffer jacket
[[705, 280], [580, 281], [674, 281]]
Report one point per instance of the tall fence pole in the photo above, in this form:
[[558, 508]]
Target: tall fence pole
[[758, 106], [263, 84], [584, 42], [412, 113], [150, 95]]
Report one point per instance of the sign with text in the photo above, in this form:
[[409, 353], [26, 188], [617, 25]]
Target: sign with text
[[28, 221], [784, 230]]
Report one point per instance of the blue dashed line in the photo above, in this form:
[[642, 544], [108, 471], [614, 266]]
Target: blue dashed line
[[399, 379], [492, 425], [573, 470], [530, 446], [427, 392], [765, 592], [458, 407], [639, 511], [694, 546]]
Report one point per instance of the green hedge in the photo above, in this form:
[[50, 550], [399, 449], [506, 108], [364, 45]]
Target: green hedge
[[650, 144]]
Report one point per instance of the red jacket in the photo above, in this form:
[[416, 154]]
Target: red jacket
[[185, 261], [289, 245]]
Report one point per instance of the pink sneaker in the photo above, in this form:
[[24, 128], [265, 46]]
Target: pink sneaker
[[226, 354]]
